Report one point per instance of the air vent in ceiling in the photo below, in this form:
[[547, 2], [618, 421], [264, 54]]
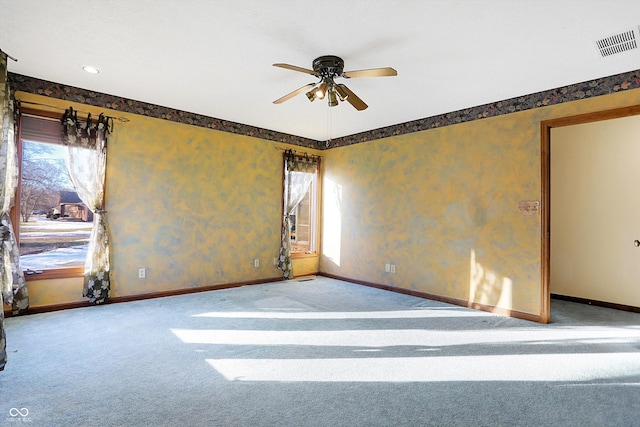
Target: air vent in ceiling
[[618, 43]]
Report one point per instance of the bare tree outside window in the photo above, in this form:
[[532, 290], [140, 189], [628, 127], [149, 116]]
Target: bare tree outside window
[[44, 176], [55, 225]]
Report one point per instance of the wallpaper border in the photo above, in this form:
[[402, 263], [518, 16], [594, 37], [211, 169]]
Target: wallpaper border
[[574, 92], [602, 86], [37, 86]]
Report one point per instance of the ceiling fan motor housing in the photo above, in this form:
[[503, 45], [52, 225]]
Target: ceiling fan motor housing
[[328, 66]]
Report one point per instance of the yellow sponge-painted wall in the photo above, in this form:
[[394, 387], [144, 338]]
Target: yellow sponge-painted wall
[[193, 206], [43, 293], [441, 205]]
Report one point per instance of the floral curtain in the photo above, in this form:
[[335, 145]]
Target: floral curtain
[[13, 289], [86, 158], [298, 174]]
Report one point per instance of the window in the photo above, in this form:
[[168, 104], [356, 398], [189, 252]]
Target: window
[[304, 216], [54, 224], [302, 223]]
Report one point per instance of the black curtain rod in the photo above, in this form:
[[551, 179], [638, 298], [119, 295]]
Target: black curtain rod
[[120, 119], [298, 153], [9, 56]]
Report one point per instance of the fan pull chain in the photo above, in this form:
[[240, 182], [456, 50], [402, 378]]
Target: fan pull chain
[[329, 116]]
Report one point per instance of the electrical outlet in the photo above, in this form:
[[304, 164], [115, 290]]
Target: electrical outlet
[[275, 260], [393, 268], [142, 273], [256, 263], [387, 268]]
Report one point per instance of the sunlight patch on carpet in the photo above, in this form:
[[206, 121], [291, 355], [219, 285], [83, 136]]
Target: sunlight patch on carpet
[[402, 314], [538, 367]]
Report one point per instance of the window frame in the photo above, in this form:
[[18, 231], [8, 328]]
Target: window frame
[[45, 274], [314, 201]]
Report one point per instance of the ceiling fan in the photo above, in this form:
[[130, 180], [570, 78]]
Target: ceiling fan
[[327, 68]]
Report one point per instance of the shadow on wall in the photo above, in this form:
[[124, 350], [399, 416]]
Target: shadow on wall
[[332, 226], [487, 287]]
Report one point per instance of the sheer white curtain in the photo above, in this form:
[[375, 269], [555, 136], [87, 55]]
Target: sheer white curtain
[[13, 289], [298, 175], [86, 158]]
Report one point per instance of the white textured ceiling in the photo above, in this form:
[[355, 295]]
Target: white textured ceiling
[[215, 57]]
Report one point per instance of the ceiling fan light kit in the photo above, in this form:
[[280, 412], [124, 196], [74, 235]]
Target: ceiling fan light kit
[[327, 68]]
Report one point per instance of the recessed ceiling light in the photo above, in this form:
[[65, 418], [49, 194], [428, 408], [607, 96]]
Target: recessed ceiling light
[[91, 69]]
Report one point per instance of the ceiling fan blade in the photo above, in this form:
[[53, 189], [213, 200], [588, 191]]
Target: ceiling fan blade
[[295, 68], [373, 72], [288, 96], [357, 103]]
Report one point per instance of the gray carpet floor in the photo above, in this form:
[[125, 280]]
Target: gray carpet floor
[[319, 353]]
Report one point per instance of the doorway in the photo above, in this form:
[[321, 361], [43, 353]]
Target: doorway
[[591, 208]]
